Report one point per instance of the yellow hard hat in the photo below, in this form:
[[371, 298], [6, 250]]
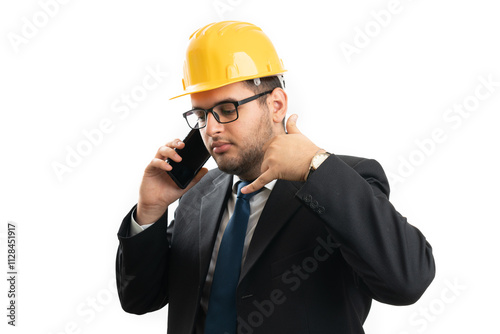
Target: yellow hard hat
[[226, 52]]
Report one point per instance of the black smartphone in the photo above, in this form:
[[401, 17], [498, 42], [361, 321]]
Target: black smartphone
[[194, 155]]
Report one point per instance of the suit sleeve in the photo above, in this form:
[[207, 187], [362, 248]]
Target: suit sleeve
[[392, 260], [142, 267]]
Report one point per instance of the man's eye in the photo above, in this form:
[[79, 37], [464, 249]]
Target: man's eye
[[227, 109]]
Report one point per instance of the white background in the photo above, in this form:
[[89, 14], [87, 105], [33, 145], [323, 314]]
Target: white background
[[65, 78]]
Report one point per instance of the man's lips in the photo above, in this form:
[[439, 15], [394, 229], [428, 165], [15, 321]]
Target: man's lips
[[220, 147]]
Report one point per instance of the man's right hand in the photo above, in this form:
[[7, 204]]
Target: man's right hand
[[158, 190]]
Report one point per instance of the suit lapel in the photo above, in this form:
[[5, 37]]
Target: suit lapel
[[211, 210], [279, 208]]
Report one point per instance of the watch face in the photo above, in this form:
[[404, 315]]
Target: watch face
[[318, 159]]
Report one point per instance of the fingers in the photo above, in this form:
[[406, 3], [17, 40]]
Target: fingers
[[160, 163], [165, 152], [259, 182], [168, 150], [291, 124]]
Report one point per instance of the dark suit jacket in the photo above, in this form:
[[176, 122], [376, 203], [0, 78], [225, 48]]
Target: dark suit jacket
[[321, 251]]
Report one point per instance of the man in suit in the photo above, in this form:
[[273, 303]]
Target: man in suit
[[321, 241]]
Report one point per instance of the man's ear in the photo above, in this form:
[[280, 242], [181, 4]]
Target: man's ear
[[278, 104]]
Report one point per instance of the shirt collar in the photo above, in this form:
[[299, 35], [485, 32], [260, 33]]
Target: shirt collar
[[237, 179]]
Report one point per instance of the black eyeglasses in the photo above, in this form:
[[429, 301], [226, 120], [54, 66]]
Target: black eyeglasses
[[223, 112]]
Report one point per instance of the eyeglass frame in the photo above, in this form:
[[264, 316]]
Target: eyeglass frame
[[216, 116]]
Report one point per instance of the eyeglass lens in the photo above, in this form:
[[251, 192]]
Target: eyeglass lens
[[224, 113]]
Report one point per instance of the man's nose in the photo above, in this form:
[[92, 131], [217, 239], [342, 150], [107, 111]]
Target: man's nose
[[213, 127]]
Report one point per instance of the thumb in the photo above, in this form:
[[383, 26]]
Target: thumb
[[291, 124]]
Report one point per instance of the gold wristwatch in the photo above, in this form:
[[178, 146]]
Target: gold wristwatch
[[317, 160]]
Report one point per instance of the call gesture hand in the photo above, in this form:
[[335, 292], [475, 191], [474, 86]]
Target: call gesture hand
[[287, 157]]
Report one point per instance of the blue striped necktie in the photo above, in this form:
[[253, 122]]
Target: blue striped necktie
[[221, 315]]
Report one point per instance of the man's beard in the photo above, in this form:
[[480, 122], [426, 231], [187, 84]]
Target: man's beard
[[248, 163]]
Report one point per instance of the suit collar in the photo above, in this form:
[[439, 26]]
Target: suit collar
[[211, 210], [279, 208]]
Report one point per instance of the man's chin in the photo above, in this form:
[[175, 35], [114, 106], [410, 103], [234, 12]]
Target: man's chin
[[228, 167], [246, 164], [228, 164]]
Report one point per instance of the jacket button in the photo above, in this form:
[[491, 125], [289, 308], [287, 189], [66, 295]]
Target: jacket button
[[307, 198]]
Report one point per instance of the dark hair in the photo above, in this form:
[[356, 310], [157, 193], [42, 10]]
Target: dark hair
[[266, 83]]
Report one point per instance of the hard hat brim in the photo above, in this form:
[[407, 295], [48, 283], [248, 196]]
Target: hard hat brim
[[206, 87]]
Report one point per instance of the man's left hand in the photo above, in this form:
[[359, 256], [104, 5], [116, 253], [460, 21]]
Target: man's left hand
[[287, 157]]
